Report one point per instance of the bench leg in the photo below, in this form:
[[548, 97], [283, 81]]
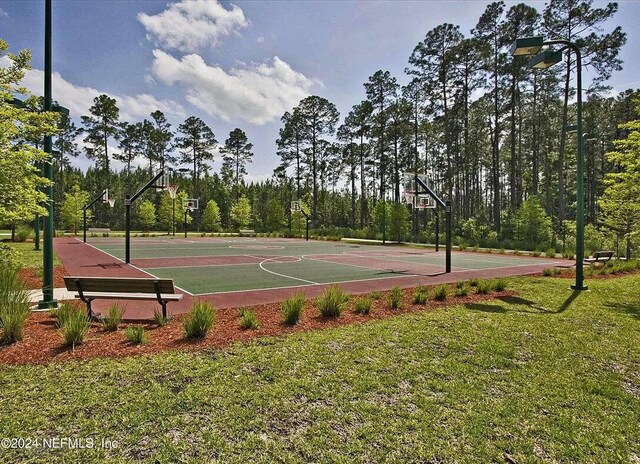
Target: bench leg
[[89, 311], [164, 310]]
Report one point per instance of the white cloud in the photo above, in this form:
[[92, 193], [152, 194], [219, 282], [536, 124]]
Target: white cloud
[[260, 40], [79, 99], [4, 13], [190, 25], [257, 93]]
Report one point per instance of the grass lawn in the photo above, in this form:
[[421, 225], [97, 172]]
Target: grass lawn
[[548, 376], [29, 256]]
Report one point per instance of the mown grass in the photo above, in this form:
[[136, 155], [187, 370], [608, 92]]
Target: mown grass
[[544, 376], [29, 257]]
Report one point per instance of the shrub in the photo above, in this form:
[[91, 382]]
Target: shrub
[[199, 320], [376, 295], [462, 289], [292, 309], [63, 312], [395, 298], [9, 257], [441, 292], [363, 306], [483, 287], [475, 249], [499, 285], [550, 253], [420, 295], [74, 326], [547, 272], [473, 282], [23, 233], [113, 318], [159, 319], [332, 301], [502, 251], [14, 305], [462, 246], [248, 319], [135, 334], [535, 253]]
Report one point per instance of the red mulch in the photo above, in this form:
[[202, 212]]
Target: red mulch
[[571, 273], [43, 341], [33, 278]]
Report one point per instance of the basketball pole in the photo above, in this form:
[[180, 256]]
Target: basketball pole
[[128, 201]]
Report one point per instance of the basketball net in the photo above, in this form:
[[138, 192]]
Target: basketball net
[[173, 190]]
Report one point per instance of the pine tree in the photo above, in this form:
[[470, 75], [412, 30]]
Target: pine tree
[[197, 142], [236, 154], [100, 127]]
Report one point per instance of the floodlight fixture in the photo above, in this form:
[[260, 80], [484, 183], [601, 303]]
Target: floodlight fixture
[[527, 46], [545, 59]]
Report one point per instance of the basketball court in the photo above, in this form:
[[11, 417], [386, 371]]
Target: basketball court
[[232, 271]]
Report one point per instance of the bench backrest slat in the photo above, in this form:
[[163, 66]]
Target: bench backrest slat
[[119, 284]]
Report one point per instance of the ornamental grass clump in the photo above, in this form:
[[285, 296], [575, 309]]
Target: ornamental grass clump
[[159, 319], [14, 305], [199, 320], [395, 298], [420, 295], [483, 287], [462, 289], [136, 335], [75, 324], [112, 320], [332, 301], [292, 308], [248, 319], [500, 285], [441, 292], [363, 306]]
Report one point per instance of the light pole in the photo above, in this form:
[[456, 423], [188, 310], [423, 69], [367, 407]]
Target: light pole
[[528, 46]]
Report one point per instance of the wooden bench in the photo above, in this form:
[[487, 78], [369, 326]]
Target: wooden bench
[[98, 230], [122, 288], [599, 257], [247, 233]]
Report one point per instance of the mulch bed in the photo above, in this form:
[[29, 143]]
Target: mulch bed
[[33, 278], [595, 276], [43, 341]]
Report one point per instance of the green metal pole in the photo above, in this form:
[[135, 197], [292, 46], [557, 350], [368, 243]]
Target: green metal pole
[[579, 285], [47, 255]]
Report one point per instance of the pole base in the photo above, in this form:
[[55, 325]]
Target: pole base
[[582, 287], [50, 304]]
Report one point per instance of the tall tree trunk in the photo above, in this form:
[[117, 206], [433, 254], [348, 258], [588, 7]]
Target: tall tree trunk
[[363, 204]]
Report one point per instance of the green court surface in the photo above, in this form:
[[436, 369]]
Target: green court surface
[[218, 265]]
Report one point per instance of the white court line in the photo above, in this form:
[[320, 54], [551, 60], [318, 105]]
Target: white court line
[[135, 267], [352, 265], [284, 275]]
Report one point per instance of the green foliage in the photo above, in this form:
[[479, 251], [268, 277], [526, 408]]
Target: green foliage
[[547, 272], [399, 222], [24, 233], [159, 319], [165, 211], [292, 308], [74, 324], [147, 215], [248, 319], [483, 287], [135, 335], [376, 224], [112, 320], [440, 293], [363, 306], [395, 298], [550, 253], [499, 285], [620, 204], [462, 289], [72, 209], [533, 224], [211, 217], [21, 193], [63, 313], [241, 212], [14, 305], [420, 295], [332, 301], [473, 282], [200, 319], [275, 216], [9, 256], [376, 295]]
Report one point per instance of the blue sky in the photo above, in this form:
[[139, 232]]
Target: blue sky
[[239, 64]]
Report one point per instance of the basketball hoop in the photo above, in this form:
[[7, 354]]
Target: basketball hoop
[[173, 191], [296, 207], [190, 204], [111, 202], [424, 202]]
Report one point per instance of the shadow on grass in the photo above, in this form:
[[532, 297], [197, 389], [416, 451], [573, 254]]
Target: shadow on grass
[[486, 308], [567, 303], [632, 309]]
